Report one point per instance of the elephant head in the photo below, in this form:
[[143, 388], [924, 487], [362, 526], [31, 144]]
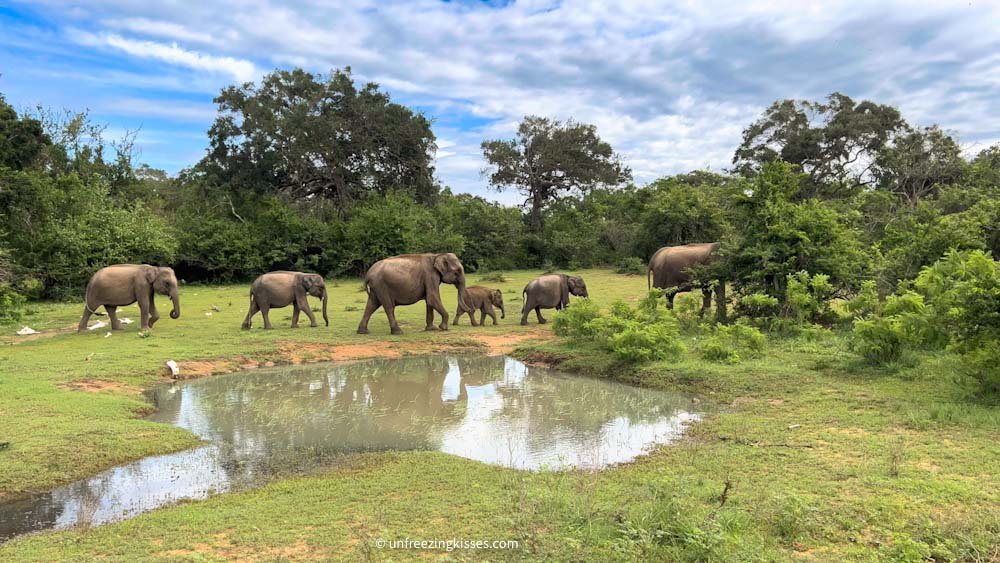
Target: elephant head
[[315, 286], [164, 282], [450, 268], [576, 286], [496, 298]]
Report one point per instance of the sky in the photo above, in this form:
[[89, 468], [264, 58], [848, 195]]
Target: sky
[[671, 85]]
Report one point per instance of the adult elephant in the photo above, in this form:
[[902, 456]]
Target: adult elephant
[[670, 268], [281, 289], [406, 279], [125, 284], [550, 291]]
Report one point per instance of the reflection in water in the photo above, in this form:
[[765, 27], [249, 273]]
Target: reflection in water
[[491, 409]]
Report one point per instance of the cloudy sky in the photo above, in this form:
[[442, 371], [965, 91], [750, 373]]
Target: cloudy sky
[[669, 84]]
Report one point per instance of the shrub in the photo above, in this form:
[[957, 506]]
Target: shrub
[[631, 265], [757, 305], [574, 321], [731, 344], [866, 303], [11, 304], [807, 298], [879, 340], [639, 342]]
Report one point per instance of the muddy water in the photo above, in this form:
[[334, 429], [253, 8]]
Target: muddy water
[[284, 420]]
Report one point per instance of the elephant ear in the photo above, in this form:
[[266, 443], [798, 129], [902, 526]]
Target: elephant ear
[[150, 273], [307, 282], [497, 297], [441, 264]]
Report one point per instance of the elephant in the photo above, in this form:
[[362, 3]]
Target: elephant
[[406, 279], [550, 291], [281, 289], [670, 266], [482, 299], [124, 284]]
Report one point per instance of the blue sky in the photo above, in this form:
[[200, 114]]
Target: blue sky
[[670, 85]]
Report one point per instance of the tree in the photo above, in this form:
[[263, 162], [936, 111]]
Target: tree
[[23, 141], [918, 163], [549, 158], [834, 143], [304, 136]]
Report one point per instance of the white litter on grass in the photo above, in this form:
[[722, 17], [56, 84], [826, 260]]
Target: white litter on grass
[[208, 314], [107, 334], [97, 325], [216, 309], [172, 366], [26, 331], [126, 321]]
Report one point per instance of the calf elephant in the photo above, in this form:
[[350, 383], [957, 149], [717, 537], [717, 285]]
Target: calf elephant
[[125, 284], [406, 279], [281, 289], [550, 291], [482, 299], [670, 270]]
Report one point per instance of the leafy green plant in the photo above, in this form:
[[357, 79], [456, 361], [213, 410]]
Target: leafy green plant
[[11, 304], [879, 340], [574, 321], [866, 303], [733, 343]]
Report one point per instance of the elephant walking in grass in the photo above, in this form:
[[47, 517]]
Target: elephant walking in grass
[[482, 299], [669, 269], [125, 284], [406, 279], [550, 291], [281, 289]]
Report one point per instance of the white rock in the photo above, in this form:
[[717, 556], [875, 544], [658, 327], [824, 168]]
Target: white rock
[[174, 369], [108, 334], [97, 325], [126, 321], [25, 331]]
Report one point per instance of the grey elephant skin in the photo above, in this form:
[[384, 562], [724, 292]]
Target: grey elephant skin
[[669, 269], [281, 289], [406, 279], [482, 299], [550, 291], [125, 284]]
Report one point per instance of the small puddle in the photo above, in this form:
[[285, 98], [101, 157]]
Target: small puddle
[[281, 421]]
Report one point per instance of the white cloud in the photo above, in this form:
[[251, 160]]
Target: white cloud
[[239, 69], [164, 29]]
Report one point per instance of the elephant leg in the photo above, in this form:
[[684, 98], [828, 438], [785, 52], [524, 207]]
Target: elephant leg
[[706, 300], [538, 313], [528, 306], [116, 324], [370, 307], [265, 308], [295, 315], [144, 312], [458, 315], [154, 315], [309, 312], [670, 298], [253, 311], [84, 319], [488, 310], [429, 316], [472, 317], [434, 300], [390, 313]]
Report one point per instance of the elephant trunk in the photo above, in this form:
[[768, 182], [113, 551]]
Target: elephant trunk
[[463, 295], [176, 312], [325, 299]]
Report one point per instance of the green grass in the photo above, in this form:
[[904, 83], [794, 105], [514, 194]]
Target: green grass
[[825, 460]]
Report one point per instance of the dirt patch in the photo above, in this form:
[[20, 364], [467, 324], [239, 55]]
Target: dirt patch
[[292, 353], [98, 385]]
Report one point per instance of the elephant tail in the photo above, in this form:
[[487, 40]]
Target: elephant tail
[[649, 282], [86, 303]]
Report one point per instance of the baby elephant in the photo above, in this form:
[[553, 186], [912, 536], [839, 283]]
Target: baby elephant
[[550, 291], [281, 289], [481, 299]]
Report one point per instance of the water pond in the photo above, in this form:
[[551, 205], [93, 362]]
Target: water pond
[[278, 421]]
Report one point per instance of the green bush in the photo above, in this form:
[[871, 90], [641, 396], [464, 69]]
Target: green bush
[[880, 340], [631, 265], [574, 321], [734, 343], [11, 304], [639, 342], [757, 306], [866, 303], [807, 298]]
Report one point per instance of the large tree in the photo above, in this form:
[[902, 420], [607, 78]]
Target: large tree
[[834, 142], [307, 135], [23, 140], [549, 158]]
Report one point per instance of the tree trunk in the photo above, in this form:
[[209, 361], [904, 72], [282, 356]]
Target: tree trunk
[[536, 211]]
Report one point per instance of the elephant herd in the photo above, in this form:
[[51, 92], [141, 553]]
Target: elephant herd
[[392, 282]]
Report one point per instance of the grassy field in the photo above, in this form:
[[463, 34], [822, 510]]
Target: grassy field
[[824, 460]]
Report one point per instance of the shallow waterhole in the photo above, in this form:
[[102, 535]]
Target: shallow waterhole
[[282, 421]]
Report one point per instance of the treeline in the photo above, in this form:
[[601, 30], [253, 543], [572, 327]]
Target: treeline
[[316, 172]]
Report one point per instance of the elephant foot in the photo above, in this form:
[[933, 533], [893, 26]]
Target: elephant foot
[[295, 326], [431, 328], [524, 323], [396, 330], [443, 327], [542, 321], [313, 325], [363, 330], [245, 327]]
